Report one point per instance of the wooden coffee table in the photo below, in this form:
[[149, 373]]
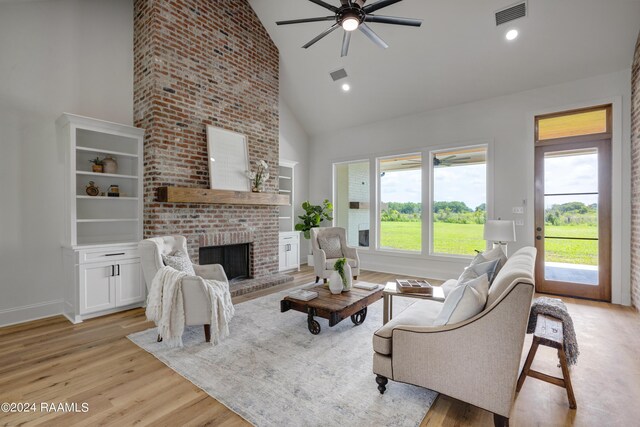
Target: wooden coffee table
[[335, 308]]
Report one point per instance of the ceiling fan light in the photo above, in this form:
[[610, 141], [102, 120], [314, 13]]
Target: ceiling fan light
[[350, 23]]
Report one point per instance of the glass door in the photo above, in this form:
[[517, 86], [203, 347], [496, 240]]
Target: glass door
[[573, 220]]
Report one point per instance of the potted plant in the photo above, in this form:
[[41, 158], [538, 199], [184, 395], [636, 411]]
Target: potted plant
[[97, 165], [344, 270], [313, 217]]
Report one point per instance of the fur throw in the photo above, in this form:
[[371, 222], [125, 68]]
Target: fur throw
[[554, 307]]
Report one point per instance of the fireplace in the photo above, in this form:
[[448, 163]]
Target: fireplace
[[235, 259]]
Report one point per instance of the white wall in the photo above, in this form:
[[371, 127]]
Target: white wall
[[506, 123], [55, 56], [294, 146]]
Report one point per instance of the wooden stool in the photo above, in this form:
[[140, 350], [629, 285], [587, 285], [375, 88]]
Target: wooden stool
[[549, 332]]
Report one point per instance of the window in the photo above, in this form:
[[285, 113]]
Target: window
[[459, 204], [582, 122], [351, 185], [400, 202]]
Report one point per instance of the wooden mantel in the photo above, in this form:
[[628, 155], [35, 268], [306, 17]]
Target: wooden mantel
[[220, 197]]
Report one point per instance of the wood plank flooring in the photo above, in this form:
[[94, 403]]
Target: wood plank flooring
[[51, 360]]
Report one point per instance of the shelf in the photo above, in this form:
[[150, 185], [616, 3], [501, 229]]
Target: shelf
[[284, 177], [108, 175], [108, 220], [284, 217], [106, 197], [221, 197], [111, 152], [284, 191]]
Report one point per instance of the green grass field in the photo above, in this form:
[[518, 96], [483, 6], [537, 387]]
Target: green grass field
[[464, 238]]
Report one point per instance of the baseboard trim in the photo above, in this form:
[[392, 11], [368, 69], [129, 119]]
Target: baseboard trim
[[27, 313]]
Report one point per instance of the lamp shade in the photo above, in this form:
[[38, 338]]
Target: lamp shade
[[497, 230]]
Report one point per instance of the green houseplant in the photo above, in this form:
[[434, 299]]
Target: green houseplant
[[97, 165], [313, 216]]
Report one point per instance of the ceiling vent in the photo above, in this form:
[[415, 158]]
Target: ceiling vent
[[511, 13], [338, 74]]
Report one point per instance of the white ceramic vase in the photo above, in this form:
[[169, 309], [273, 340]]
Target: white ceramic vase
[[348, 276], [335, 283]]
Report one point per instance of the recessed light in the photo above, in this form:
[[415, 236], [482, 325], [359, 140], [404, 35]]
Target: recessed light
[[346, 87], [511, 35]]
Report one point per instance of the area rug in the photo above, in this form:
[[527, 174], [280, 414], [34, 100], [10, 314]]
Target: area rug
[[273, 372]]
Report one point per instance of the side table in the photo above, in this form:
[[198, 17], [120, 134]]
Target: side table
[[390, 291]]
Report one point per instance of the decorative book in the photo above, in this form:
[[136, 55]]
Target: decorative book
[[367, 286], [303, 295], [414, 286]]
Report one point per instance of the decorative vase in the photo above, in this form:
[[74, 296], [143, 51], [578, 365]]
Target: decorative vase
[[348, 277], [96, 168], [335, 283], [109, 165]]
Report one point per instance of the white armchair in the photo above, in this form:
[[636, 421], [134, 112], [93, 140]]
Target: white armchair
[[324, 259], [197, 310]]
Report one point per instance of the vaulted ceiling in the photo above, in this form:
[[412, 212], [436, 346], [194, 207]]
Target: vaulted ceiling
[[457, 56]]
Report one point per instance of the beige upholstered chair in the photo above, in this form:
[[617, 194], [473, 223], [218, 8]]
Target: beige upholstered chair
[[197, 310], [475, 360], [323, 261]]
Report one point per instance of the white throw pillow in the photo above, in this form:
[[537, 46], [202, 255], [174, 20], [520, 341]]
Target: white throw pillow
[[180, 261], [490, 255], [331, 246], [464, 301]]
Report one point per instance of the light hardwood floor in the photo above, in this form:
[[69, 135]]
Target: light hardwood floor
[[51, 360]]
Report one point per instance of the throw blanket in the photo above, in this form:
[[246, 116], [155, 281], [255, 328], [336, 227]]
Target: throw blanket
[[165, 305], [555, 307]]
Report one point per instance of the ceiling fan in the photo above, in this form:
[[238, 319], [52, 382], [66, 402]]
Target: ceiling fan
[[449, 160], [353, 15]]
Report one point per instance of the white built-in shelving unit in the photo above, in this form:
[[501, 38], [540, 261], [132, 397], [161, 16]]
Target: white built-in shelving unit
[[289, 247], [100, 247]]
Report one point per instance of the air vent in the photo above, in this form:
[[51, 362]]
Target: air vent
[[511, 13], [338, 74]]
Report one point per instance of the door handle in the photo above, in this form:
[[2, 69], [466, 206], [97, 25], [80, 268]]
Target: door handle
[[113, 270], [539, 229], [118, 269], [538, 237]]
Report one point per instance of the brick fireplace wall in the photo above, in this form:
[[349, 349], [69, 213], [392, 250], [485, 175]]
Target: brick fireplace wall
[[635, 178], [199, 63]]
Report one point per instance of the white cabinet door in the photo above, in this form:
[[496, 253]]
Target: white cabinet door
[[129, 283], [97, 290], [292, 255], [282, 256]]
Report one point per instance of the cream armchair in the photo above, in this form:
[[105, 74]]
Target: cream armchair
[[475, 360], [197, 310], [323, 261]]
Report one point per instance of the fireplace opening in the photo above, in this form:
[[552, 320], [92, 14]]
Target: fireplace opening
[[235, 259]]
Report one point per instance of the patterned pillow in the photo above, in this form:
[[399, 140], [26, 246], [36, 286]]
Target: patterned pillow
[[476, 270], [331, 246], [180, 261]]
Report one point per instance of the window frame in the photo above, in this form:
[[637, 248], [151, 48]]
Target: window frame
[[488, 194], [334, 191]]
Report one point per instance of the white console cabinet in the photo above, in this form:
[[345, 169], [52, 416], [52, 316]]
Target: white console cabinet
[[289, 250], [103, 227]]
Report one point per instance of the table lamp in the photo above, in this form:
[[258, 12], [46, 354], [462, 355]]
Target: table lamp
[[500, 232]]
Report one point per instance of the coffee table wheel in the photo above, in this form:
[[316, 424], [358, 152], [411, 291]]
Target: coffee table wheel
[[359, 317], [314, 326]]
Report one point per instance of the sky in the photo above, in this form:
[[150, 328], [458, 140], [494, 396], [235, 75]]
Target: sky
[[456, 183], [569, 174]]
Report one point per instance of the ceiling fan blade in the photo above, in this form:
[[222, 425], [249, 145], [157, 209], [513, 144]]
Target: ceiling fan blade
[[379, 5], [372, 35], [450, 156], [321, 35], [346, 39], [303, 20], [325, 5], [393, 20], [361, 2]]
